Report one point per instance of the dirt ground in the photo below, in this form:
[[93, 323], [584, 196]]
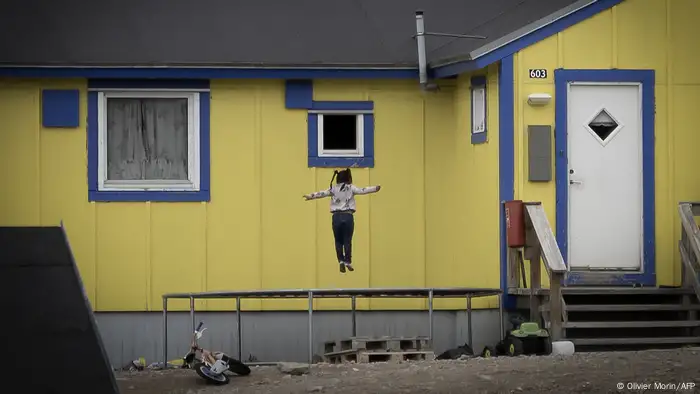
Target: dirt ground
[[580, 373]]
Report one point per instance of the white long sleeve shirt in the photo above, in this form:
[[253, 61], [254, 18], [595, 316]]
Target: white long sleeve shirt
[[343, 196]]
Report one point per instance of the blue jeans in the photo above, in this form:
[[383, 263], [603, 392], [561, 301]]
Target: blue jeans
[[343, 229]]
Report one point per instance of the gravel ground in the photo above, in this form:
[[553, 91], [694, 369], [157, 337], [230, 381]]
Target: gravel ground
[[580, 373]]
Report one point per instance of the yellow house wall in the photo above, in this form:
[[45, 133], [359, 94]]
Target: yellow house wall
[[636, 34], [257, 232]]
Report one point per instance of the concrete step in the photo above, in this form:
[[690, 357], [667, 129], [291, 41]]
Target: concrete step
[[635, 341], [632, 324]]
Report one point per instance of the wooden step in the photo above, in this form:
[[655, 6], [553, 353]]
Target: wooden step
[[594, 290], [632, 324], [626, 307], [635, 341]]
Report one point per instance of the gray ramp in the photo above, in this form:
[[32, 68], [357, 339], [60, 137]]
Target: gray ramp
[[53, 345]]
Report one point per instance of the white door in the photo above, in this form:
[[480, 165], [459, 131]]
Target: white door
[[604, 134]]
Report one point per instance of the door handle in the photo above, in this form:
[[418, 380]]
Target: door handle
[[572, 182]]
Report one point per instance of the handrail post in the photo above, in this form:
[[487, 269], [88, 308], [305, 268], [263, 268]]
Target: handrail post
[[311, 327], [555, 306], [194, 324], [430, 316], [165, 332], [533, 251], [239, 328], [353, 303]]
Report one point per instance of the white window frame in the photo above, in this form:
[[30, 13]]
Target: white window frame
[[193, 151], [476, 127], [359, 134]]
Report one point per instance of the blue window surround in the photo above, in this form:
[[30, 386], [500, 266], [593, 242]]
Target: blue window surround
[[525, 41], [299, 95], [477, 82], [60, 108], [647, 79], [156, 196]]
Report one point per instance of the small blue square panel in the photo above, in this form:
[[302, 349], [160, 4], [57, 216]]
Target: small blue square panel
[[60, 108]]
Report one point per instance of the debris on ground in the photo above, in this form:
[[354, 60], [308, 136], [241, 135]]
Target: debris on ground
[[293, 368], [459, 353], [610, 372]]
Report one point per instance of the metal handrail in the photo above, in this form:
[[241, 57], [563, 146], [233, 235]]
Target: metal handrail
[[311, 294]]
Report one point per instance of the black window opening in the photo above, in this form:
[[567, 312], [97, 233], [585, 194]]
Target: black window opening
[[340, 132], [603, 125]]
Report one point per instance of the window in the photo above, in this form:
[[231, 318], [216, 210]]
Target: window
[[340, 135], [148, 144], [148, 141], [478, 110]]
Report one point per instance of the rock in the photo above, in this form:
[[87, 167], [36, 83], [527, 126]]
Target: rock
[[293, 368], [562, 348], [315, 389], [465, 357]]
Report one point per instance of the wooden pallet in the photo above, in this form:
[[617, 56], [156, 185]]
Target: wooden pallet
[[379, 344], [362, 356]]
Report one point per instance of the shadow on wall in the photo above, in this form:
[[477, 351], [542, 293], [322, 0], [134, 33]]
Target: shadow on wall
[[281, 336]]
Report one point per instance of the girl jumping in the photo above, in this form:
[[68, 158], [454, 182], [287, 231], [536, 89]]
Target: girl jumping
[[343, 207]]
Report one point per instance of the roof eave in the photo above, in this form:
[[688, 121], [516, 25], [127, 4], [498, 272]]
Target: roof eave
[[482, 52], [241, 66]]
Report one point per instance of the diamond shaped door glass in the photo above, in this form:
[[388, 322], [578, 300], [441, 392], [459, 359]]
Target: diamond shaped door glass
[[603, 125]]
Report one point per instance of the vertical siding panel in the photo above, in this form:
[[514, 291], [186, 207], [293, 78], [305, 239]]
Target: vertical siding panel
[[233, 215], [19, 151], [589, 43], [122, 253], [397, 233], [288, 256]]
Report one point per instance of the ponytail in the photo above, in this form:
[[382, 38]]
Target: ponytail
[[332, 179]]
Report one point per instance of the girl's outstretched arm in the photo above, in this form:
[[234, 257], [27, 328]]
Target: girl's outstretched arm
[[365, 190], [321, 194]]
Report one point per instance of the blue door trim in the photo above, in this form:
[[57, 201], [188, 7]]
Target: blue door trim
[[562, 78], [506, 162]]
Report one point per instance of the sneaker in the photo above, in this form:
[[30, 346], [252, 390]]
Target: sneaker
[[342, 267], [349, 266]]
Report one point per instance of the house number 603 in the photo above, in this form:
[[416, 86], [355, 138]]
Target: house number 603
[[538, 73]]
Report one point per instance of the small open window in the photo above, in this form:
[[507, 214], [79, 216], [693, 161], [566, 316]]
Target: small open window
[[478, 110], [340, 135]]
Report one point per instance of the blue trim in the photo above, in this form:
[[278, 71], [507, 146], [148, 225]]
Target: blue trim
[[205, 73], [343, 106], [506, 162], [60, 108], [478, 81], [298, 94], [204, 194], [647, 79], [367, 161], [525, 41], [148, 84]]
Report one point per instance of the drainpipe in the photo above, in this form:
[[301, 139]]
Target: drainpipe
[[420, 40]]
